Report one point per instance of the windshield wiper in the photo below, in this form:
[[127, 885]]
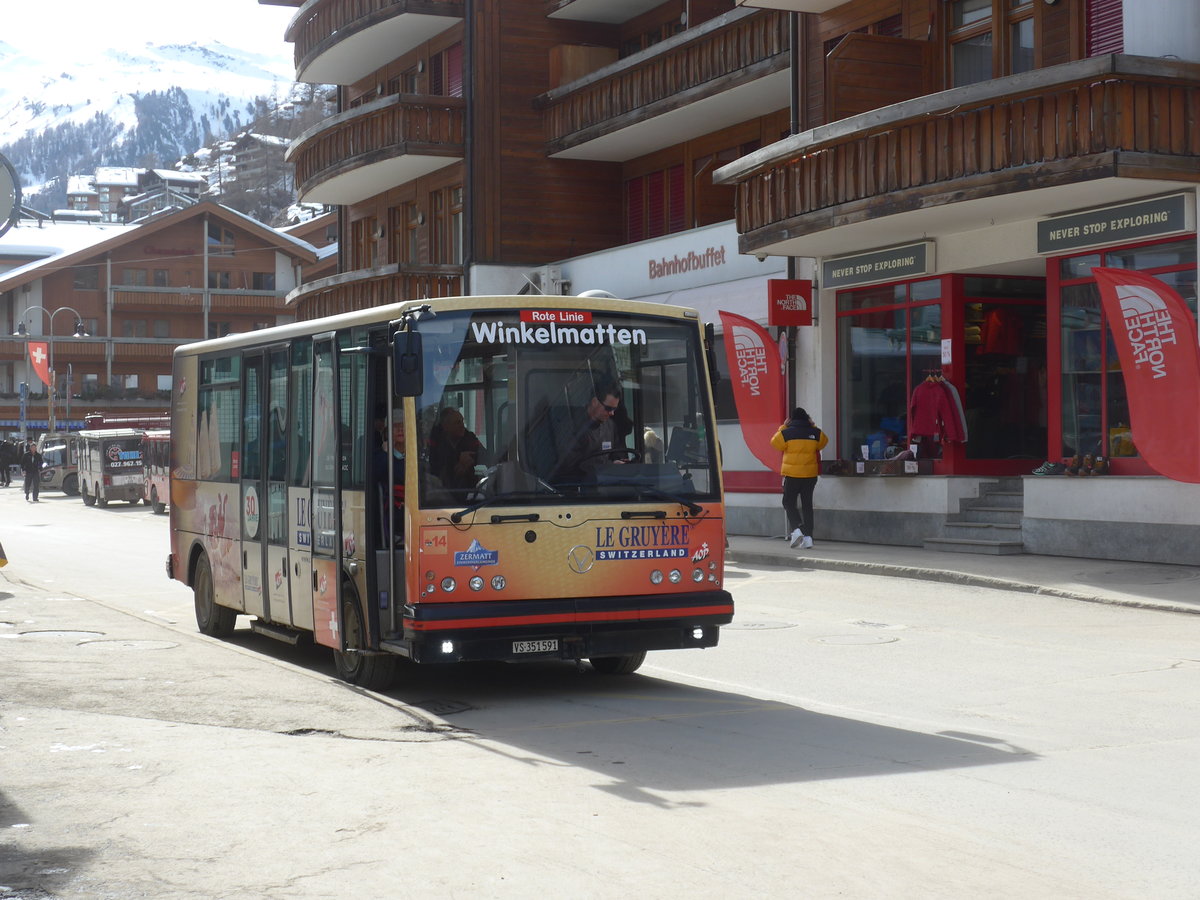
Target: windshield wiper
[[457, 517], [651, 491]]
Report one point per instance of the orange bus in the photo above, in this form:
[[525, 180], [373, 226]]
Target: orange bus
[[476, 478]]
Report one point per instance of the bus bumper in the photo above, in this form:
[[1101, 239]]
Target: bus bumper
[[576, 629]]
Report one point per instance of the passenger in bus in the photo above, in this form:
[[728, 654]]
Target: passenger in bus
[[598, 442], [454, 451]]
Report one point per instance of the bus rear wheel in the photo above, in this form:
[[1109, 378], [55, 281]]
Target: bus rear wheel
[[374, 672], [101, 500], [89, 499], [71, 485], [159, 506], [211, 619], [618, 665]]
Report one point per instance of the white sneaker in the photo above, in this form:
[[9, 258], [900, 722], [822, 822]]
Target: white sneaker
[[806, 544], [797, 536]]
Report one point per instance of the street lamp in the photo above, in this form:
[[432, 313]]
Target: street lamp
[[79, 333]]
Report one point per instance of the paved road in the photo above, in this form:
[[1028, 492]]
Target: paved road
[[854, 735]]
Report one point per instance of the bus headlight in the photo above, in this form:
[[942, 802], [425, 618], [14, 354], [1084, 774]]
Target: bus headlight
[[476, 583], [676, 576], [448, 584], [656, 577], [499, 583]]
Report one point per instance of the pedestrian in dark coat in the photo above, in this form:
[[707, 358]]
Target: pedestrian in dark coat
[[31, 465]]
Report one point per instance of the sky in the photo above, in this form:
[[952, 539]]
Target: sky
[[131, 23]]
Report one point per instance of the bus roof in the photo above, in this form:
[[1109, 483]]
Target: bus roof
[[111, 433], [393, 311]]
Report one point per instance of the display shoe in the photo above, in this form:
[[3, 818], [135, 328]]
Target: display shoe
[[1049, 468], [1073, 465], [1089, 463], [1100, 466]]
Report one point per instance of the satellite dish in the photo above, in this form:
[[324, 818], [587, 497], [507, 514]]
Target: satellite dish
[[10, 195]]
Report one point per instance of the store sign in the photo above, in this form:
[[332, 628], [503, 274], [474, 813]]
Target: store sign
[[1156, 217], [890, 264], [789, 301]]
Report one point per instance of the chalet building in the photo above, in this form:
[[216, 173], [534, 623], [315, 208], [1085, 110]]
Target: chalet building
[[957, 170], [129, 195], [138, 292], [922, 163]]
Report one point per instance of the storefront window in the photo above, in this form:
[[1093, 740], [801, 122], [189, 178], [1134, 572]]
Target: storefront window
[[882, 353], [1095, 409]]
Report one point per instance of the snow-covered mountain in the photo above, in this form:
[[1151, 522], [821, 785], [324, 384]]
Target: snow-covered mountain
[[119, 107]]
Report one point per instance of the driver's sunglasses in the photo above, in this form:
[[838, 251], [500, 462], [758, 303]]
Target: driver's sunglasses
[[612, 410]]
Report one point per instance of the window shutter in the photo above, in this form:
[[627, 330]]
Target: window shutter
[[635, 209], [454, 71], [1105, 28], [677, 221], [656, 204]]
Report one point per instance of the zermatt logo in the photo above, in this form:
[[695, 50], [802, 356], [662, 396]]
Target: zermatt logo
[[476, 556]]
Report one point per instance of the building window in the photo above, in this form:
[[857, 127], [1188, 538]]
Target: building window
[[135, 277], [974, 29], [445, 72], [889, 338], [87, 278], [655, 204], [219, 280], [220, 240], [1095, 408], [263, 281], [163, 382], [362, 243], [219, 329], [162, 278], [162, 328], [133, 328]]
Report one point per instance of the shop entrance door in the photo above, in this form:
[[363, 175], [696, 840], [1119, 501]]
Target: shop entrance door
[[1003, 374]]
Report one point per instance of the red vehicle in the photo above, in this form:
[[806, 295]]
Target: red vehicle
[[156, 458]]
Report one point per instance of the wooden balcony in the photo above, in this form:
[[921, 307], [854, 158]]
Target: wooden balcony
[[271, 302], [729, 69], [126, 298], [375, 287], [1105, 117], [377, 146], [66, 350], [599, 10], [340, 41]]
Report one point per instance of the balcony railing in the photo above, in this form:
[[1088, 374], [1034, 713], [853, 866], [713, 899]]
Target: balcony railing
[[1102, 117], [326, 35], [405, 136], [375, 287], [723, 53]]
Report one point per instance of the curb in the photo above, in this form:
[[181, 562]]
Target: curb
[[949, 576]]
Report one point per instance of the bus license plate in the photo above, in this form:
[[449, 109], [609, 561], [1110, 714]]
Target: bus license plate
[[535, 646]]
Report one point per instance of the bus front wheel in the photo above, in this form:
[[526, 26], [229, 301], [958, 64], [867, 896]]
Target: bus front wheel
[[618, 665], [89, 499], [211, 619], [372, 671]]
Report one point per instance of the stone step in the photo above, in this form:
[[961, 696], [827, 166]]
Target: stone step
[[1004, 499], [991, 515], [992, 531], [989, 548]]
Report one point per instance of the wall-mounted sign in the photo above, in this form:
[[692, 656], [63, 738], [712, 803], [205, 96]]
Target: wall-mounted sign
[[889, 264], [789, 301], [1156, 217]]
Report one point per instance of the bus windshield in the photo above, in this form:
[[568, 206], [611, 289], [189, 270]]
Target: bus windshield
[[529, 406]]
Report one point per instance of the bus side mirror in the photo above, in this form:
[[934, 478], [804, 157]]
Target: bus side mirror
[[408, 364]]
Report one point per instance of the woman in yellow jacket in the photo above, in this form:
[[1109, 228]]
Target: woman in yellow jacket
[[801, 442]]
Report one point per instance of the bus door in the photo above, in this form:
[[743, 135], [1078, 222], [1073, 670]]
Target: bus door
[[325, 503], [264, 486], [253, 489], [299, 430]]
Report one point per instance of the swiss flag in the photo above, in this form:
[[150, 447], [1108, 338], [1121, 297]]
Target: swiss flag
[[39, 355]]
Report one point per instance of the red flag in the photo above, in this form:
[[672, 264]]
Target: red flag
[[756, 370], [1155, 335], [39, 355]]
